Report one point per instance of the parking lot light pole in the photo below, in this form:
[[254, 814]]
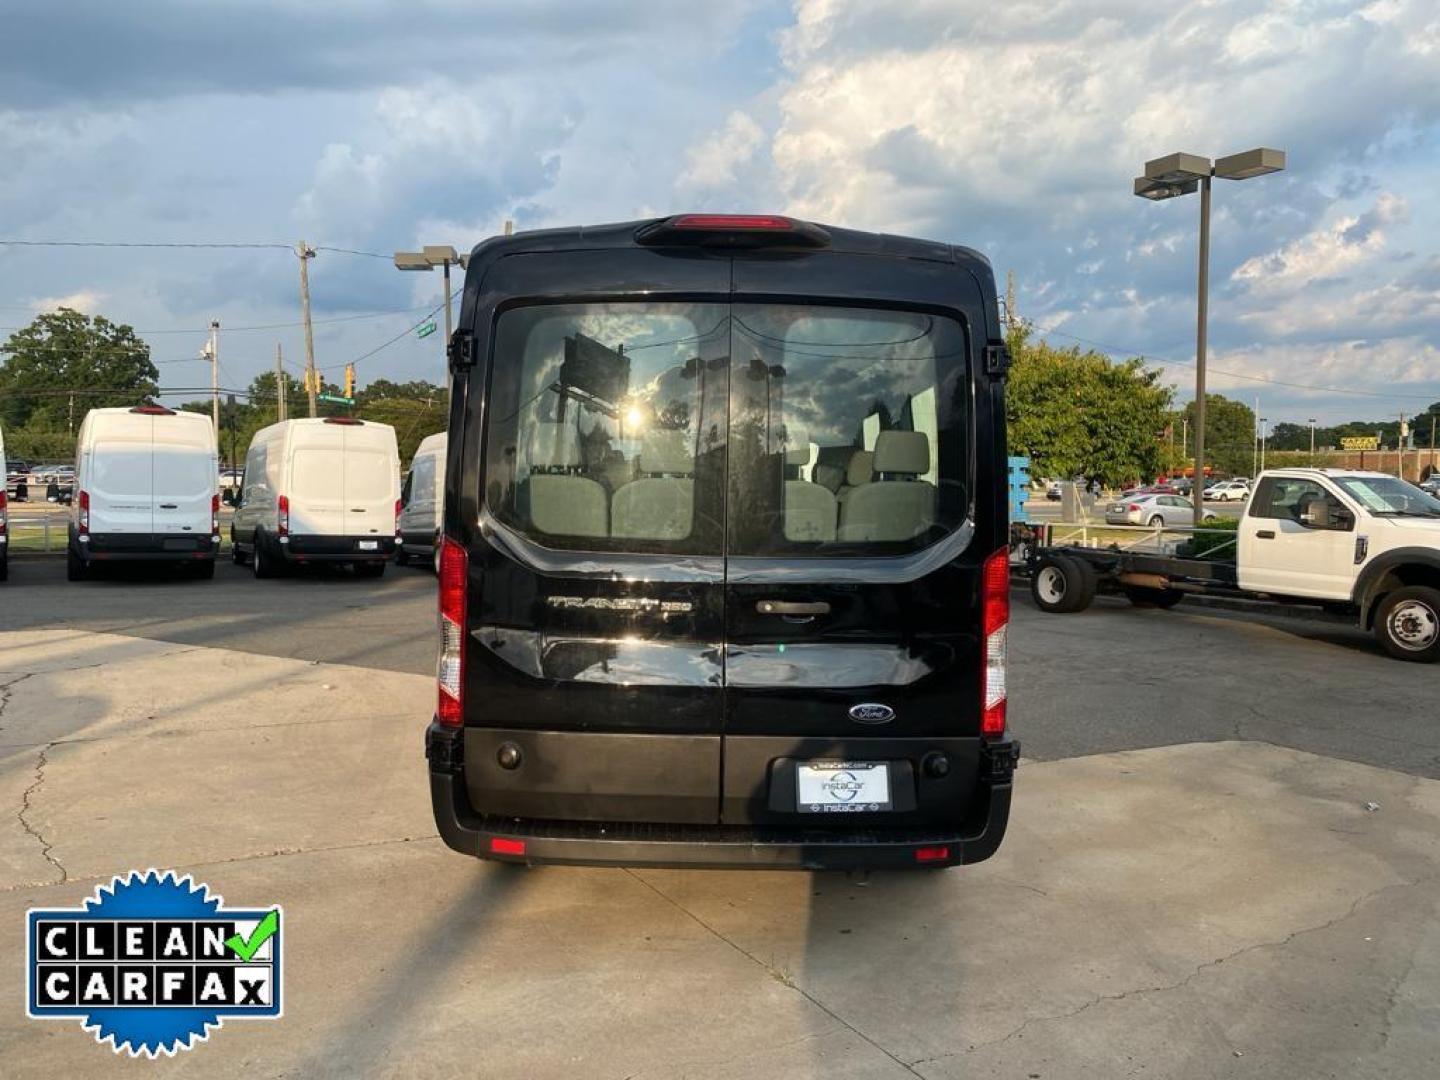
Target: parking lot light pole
[[1312, 442], [426, 259], [1182, 174]]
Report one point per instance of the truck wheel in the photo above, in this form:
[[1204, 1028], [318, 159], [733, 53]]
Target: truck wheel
[[74, 566], [1061, 585], [1408, 624], [1143, 596]]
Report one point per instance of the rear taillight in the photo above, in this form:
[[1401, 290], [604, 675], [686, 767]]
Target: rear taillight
[[83, 521], [397, 521], [1133, 507], [282, 520], [215, 514], [4, 503], [450, 669], [994, 622]]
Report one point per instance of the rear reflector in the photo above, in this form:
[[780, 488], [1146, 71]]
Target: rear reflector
[[995, 620], [450, 667], [932, 854], [499, 845]]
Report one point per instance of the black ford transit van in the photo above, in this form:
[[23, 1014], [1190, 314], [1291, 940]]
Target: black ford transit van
[[723, 574]]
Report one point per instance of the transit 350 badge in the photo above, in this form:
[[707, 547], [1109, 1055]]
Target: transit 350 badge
[[152, 962]]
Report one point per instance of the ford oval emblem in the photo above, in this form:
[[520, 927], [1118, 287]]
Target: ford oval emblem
[[871, 712]]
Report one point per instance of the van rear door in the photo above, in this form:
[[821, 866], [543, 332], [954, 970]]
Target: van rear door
[[369, 481], [316, 489], [852, 602], [119, 480], [596, 558], [184, 475]]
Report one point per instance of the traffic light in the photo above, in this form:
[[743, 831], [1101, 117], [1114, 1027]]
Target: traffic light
[[349, 380]]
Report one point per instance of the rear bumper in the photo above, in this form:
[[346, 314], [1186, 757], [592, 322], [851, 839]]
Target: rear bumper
[[537, 841], [147, 547], [309, 548]]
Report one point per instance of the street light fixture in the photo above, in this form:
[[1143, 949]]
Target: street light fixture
[[1181, 174], [426, 259], [1312, 441]]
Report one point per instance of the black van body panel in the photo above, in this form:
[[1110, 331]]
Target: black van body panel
[[658, 707]]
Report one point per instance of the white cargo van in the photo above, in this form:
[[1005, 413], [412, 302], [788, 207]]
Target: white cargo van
[[318, 490], [4, 514], [144, 490], [422, 501]]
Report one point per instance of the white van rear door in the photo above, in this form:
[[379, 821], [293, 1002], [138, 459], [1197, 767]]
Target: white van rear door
[[369, 488], [119, 480], [317, 487], [183, 479]]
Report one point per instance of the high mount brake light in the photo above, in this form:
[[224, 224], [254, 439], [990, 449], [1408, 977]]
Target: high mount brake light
[[733, 230], [731, 221], [994, 624], [349, 421], [153, 410], [450, 668]]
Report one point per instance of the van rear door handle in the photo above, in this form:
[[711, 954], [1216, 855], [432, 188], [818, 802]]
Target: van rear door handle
[[169, 506], [357, 509], [792, 607], [1265, 534]]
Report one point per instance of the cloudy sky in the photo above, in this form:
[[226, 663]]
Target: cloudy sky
[[1016, 128]]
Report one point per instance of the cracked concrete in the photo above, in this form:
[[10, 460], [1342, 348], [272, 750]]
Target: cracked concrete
[[22, 815], [1153, 912]]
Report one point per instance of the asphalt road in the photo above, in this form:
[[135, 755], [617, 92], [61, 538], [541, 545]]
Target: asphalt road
[[1111, 678]]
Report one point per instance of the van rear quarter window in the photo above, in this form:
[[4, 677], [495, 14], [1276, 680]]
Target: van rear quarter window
[[763, 429]]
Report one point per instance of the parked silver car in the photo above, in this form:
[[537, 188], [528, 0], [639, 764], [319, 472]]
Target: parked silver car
[[1152, 510]]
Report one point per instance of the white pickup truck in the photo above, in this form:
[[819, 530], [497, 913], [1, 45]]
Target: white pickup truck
[[1363, 543]]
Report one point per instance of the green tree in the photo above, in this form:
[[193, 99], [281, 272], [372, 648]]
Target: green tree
[[103, 363], [1229, 434], [1078, 413]]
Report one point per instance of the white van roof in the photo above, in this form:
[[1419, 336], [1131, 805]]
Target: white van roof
[[324, 423], [180, 426], [432, 443]]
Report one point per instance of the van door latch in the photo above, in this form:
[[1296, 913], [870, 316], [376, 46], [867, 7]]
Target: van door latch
[[997, 359], [462, 350]]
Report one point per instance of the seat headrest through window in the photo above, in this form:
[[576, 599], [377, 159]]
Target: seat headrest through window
[[667, 451], [905, 452]]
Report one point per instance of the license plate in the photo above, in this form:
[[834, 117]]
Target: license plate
[[369, 545], [843, 787]]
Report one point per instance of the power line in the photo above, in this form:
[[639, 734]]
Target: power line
[[175, 245], [270, 326], [404, 333]]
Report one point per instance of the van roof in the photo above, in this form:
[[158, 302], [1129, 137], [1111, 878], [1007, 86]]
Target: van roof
[[624, 235]]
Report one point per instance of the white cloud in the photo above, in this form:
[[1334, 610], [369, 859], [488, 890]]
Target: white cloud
[[86, 300], [715, 161], [1327, 251]]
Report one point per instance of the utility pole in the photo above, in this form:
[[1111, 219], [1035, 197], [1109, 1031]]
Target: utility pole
[[1184, 437], [307, 253], [280, 386], [1432, 442], [1263, 421], [72, 417], [1312, 442], [215, 374], [1010, 319]]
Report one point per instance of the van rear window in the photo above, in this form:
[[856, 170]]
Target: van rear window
[[789, 430]]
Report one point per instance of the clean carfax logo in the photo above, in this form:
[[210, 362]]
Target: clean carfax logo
[[152, 962]]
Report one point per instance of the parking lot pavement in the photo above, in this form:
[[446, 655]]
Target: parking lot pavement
[[1198, 910]]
